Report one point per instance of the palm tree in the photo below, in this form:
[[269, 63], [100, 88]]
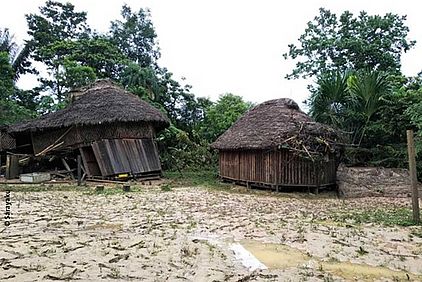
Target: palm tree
[[370, 88], [19, 57], [142, 81], [331, 99]]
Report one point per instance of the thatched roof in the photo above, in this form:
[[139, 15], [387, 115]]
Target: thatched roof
[[101, 103], [278, 124]]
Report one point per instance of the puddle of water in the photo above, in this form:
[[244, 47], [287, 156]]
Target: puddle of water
[[275, 255], [246, 258], [278, 256]]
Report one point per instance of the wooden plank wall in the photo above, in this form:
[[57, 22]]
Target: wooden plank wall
[[275, 168], [90, 163], [135, 156]]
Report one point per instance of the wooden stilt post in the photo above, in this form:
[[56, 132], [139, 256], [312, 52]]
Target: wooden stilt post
[[413, 177], [12, 167], [79, 170]]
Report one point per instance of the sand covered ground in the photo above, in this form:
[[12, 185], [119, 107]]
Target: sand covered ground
[[199, 234]]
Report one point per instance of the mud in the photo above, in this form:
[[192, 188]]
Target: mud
[[185, 235]]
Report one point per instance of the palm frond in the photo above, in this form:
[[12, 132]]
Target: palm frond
[[331, 98], [21, 63]]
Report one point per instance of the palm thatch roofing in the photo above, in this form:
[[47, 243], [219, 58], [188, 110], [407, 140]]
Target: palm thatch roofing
[[277, 124], [103, 102]]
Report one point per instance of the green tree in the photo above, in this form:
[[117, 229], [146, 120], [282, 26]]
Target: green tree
[[72, 54], [6, 74], [53, 34], [384, 143], [19, 57], [141, 80], [135, 36], [100, 54], [370, 88], [10, 111], [349, 100], [56, 22], [220, 116], [348, 42], [331, 102]]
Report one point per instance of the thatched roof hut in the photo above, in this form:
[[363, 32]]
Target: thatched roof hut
[[111, 128], [276, 144], [101, 103], [278, 124]]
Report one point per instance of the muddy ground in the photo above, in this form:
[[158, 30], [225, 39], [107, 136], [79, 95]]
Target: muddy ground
[[192, 234]]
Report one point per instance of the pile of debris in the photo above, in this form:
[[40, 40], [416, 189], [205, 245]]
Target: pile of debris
[[373, 182]]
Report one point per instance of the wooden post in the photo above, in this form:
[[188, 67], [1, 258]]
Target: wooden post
[[318, 176], [79, 170], [413, 177], [12, 167]]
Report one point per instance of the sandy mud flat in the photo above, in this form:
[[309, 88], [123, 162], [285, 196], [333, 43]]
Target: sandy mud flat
[[198, 234]]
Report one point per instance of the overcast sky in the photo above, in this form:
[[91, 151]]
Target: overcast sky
[[224, 46]]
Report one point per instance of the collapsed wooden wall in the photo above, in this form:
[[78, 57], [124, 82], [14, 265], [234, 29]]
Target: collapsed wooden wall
[[118, 156], [76, 137], [275, 168]]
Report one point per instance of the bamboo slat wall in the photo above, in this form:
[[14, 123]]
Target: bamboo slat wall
[[279, 168]]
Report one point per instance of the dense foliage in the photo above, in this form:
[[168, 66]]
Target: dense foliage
[[69, 54], [359, 86], [338, 43]]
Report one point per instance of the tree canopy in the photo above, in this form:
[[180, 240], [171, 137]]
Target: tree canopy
[[332, 42]]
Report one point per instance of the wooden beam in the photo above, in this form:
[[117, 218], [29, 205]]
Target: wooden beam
[[105, 181], [79, 170], [413, 176], [67, 167]]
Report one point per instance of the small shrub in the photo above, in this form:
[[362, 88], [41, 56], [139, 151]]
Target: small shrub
[[166, 187]]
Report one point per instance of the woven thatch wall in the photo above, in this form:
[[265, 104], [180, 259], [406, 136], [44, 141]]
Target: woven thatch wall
[[7, 142], [83, 136], [374, 182]]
